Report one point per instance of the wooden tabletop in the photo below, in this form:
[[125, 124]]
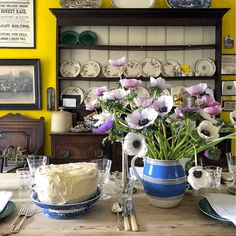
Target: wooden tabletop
[[184, 220]]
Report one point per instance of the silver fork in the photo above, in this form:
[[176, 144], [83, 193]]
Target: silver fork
[[29, 213], [21, 212]]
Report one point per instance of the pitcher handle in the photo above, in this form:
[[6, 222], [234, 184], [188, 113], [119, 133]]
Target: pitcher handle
[[134, 169]]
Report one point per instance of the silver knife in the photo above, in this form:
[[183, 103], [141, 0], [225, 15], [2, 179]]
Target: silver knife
[[130, 209], [125, 215]]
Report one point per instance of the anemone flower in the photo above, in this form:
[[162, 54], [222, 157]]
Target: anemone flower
[[163, 104], [100, 90], [212, 153], [180, 111], [206, 116], [130, 83], [198, 177], [102, 117], [208, 131], [216, 110], [159, 83], [116, 94], [232, 116], [135, 145], [196, 89], [141, 118], [93, 105], [117, 63], [104, 127], [143, 102]]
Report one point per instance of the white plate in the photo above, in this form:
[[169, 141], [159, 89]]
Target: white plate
[[169, 68], [70, 68], [205, 67], [132, 69], [111, 71], [151, 67], [133, 3], [73, 90], [142, 92], [90, 69], [81, 4], [89, 95], [189, 3]]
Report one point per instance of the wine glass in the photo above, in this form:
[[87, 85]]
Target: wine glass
[[231, 160], [104, 167]]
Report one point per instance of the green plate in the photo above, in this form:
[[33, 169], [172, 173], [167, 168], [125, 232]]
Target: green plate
[[205, 207], [69, 37], [9, 208], [87, 37]]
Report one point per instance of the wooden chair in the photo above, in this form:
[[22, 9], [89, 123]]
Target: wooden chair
[[18, 130]]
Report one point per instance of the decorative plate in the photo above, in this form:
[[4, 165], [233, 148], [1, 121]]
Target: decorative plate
[[73, 90], [151, 67], [69, 37], [90, 69], [87, 37], [111, 71], [9, 208], [169, 68], [205, 207], [189, 3], [89, 95], [205, 67], [66, 211], [132, 69], [142, 92], [133, 3], [70, 68], [81, 3]]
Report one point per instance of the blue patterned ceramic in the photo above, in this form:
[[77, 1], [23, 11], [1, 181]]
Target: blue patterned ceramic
[[66, 211], [164, 181], [189, 3], [9, 208]]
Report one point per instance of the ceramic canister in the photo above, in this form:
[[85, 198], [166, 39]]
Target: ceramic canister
[[61, 121]]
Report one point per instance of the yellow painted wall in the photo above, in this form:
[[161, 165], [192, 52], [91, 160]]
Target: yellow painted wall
[[46, 51]]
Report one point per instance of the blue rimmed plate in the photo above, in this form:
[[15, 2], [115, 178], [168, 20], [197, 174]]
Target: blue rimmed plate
[[189, 3], [9, 208], [205, 207], [67, 211]]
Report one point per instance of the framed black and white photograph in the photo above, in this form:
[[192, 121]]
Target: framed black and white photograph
[[17, 28], [228, 66], [229, 88], [20, 84], [229, 105]]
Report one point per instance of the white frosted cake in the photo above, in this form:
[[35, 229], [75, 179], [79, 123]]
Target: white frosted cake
[[66, 183]]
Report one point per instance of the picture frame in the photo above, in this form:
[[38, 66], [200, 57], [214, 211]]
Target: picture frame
[[229, 105], [20, 87], [228, 87], [17, 24], [228, 64]]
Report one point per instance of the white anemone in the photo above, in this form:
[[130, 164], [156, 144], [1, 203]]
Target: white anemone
[[116, 94], [159, 83], [135, 144], [163, 104], [206, 116], [198, 177], [208, 131], [232, 116]]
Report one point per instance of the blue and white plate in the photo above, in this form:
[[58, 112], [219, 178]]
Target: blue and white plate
[[189, 3], [9, 208], [67, 211]]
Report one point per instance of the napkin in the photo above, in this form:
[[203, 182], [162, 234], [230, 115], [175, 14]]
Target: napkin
[[223, 204], [4, 199]]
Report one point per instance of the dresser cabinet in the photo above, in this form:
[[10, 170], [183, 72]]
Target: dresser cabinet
[[66, 147]]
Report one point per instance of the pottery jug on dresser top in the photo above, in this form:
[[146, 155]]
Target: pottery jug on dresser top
[[61, 121]]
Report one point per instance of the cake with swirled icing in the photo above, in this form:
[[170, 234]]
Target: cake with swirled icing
[[66, 183]]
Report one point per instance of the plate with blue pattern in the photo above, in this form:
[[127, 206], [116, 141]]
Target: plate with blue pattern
[[67, 211], [9, 208], [189, 3]]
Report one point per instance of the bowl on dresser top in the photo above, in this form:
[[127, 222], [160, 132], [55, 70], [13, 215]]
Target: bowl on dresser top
[[69, 210]]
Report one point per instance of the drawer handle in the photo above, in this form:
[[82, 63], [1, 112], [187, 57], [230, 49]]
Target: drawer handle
[[65, 153]]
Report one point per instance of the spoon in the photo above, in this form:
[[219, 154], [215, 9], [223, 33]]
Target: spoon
[[116, 208]]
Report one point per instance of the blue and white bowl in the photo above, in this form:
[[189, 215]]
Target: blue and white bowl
[[66, 211]]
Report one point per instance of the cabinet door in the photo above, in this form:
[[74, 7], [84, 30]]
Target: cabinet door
[[77, 148]]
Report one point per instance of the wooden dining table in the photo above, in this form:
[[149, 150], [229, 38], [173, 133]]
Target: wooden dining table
[[183, 220]]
